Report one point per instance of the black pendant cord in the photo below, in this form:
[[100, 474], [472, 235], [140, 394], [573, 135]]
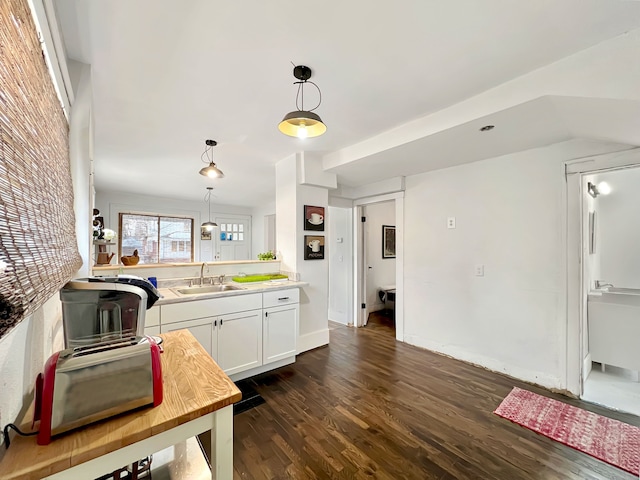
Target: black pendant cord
[[301, 94], [5, 432]]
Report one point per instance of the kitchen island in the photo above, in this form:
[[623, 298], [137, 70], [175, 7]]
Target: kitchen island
[[198, 396]]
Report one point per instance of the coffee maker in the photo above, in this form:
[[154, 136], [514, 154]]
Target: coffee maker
[[99, 309]]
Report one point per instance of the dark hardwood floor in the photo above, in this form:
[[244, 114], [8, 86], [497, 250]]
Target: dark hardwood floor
[[367, 406]]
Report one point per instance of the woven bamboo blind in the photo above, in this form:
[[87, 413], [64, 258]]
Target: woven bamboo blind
[[38, 248]]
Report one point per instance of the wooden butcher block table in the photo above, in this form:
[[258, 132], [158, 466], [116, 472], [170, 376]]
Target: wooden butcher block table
[[198, 396]]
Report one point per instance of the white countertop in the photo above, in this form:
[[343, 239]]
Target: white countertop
[[170, 296]]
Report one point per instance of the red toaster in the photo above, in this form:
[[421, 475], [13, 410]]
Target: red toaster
[[85, 384]]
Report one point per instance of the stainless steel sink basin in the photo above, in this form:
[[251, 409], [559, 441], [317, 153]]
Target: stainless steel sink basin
[[201, 289]]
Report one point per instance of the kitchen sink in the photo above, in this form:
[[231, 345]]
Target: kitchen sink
[[201, 289]]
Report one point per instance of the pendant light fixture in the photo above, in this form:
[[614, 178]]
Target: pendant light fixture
[[210, 171], [303, 123], [208, 226]]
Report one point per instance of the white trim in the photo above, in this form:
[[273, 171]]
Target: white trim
[[313, 340], [575, 169], [53, 47], [262, 368], [378, 199]]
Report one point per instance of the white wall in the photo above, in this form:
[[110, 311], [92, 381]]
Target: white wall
[[619, 228], [290, 200], [509, 218], [258, 226], [383, 270], [339, 225], [111, 204]]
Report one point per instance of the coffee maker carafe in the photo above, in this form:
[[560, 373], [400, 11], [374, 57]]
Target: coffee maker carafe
[[99, 309]]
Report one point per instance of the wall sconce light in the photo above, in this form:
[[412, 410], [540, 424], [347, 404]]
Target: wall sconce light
[[210, 171], [303, 123], [208, 226], [602, 188]]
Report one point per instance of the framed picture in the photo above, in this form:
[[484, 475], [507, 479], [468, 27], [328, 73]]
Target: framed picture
[[388, 241], [205, 234], [314, 218], [313, 247]]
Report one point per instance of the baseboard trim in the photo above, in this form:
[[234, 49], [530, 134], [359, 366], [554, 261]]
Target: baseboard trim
[[542, 379], [313, 340], [262, 368]]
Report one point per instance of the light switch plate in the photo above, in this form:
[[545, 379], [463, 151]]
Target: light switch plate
[[451, 222], [479, 270]]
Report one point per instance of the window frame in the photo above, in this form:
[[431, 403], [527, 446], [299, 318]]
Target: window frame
[[158, 216]]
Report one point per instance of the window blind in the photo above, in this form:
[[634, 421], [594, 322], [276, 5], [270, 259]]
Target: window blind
[[38, 248]]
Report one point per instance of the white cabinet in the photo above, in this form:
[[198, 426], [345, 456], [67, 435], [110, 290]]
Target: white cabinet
[[242, 333], [239, 341], [201, 328], [280, 330]]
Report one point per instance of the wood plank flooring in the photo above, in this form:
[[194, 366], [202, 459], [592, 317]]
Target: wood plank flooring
[[368, 407]]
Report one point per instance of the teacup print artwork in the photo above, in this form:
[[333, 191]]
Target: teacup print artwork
[[314, 218], [313, 247]]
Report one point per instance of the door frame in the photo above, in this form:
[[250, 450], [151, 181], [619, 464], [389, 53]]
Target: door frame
[[359, 274], [575, 171]]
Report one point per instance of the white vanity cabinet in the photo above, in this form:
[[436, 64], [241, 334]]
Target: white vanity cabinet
[[280, 324], [201, 328]]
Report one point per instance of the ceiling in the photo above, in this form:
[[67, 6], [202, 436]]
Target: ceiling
[[169, 74]]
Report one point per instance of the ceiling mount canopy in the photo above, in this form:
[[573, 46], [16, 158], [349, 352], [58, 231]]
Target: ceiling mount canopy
[[208, 226], [211, 170], [303, 123]]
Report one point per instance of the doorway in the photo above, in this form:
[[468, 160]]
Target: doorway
[[373, 269], [603, 283]]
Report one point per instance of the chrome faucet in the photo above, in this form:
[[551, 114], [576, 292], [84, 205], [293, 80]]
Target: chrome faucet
[[600, 284], [221, 279], [202, 273]]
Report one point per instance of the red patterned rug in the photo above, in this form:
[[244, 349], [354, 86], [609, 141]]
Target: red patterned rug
[[606, 439]]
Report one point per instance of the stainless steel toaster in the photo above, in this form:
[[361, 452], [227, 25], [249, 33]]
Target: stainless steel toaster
[[85, 384]]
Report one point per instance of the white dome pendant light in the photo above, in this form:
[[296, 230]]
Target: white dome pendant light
[[303, 123]]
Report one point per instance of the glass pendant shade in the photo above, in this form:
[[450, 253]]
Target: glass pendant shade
[[211, 171], [208, 226], [302, 124]]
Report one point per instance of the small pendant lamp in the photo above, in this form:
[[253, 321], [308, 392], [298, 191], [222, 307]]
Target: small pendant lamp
[[303, 123], [211, 170], [208, 226]]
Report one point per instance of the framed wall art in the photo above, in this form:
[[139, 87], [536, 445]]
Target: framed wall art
[[314, 218], [313, 247], [388, 241]]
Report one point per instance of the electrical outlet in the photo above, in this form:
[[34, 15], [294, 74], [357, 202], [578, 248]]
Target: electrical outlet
[[479, 270], [451, 222]]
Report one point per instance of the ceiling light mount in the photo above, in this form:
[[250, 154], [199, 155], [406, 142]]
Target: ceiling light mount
[[303, 123], [211, 170]]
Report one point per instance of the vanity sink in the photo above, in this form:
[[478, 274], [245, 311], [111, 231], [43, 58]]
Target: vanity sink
[[201, 289]]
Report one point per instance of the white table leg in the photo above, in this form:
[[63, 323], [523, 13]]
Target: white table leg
[[222, 444]]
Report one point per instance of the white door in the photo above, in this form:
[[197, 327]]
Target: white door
[[201, 328], [233, 238], [240, 341], [280, 332]]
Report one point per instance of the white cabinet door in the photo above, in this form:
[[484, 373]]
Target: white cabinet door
[[202, 329], [240, 341], [280, 332]]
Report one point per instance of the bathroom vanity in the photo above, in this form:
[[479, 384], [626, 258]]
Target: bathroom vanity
[[614, 326]]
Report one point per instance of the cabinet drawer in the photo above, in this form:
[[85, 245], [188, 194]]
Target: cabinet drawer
[[280, 297], [178, 312]]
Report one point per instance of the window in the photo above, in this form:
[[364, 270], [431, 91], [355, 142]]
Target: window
[[157, 239]]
